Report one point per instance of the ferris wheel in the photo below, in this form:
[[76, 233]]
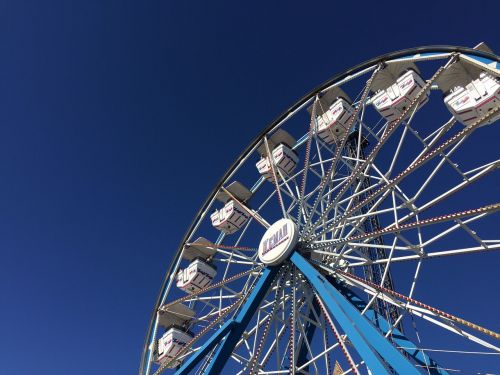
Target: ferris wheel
[[319, 250]]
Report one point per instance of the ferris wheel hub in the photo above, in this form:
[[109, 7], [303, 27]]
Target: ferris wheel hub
[[278, 242]]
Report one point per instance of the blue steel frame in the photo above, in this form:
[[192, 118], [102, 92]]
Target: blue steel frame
[[309, 331], [399, 338], [377, 352], [374, 348], [233, 329]]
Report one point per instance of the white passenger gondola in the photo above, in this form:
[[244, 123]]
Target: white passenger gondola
[[170, 345], [285, 158], [198, 275], [469, 91], [333, 115], [173, 318], [395, 87], [233, 215]]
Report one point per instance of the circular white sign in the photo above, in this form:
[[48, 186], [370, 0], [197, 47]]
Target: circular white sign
[[278, 241]]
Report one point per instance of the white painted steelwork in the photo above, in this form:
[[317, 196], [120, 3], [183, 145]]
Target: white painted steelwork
[[426, 188]]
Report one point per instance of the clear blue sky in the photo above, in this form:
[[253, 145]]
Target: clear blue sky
[[110, 112]]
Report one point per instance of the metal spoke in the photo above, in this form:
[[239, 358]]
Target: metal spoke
[[393, 229], [272, 163], [307, 156], [340, 146], [423, 305], [387, 133], [414, 166]]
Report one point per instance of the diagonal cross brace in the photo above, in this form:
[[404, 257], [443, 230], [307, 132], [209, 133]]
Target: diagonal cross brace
[[232, 330], [309, 330], [374, 348], [398, 337]]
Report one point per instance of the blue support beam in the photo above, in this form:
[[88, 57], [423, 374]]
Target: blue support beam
[[309, 330], [399, 338], [367, 340], [191, 363], [231, 330], [241, 321]]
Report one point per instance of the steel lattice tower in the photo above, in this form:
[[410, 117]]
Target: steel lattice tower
[[373, 272]]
